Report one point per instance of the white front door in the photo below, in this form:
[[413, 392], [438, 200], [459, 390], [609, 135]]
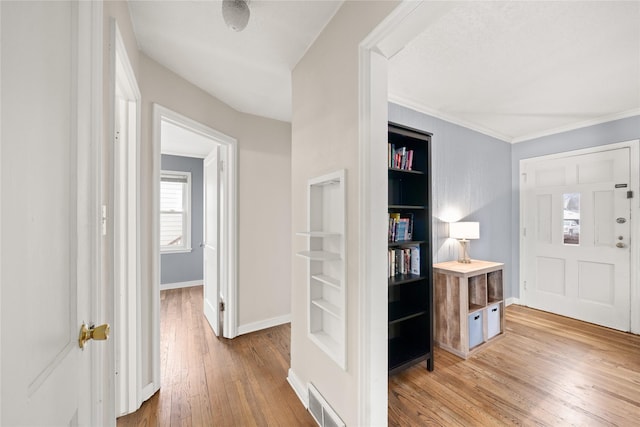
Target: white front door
[[211, 243], [576, 236], [50, 222]]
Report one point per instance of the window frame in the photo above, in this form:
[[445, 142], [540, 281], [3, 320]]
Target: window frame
[[186, 213]]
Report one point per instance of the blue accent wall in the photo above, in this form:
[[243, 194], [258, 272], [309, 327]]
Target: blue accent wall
[[186, 267], [471, 181], [592, 136]]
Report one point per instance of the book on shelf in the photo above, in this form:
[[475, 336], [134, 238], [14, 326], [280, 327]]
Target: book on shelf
[[400, 227], [399, 158], [415, 260], [404, 261]]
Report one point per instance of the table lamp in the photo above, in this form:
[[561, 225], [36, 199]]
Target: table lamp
[[464, 231]]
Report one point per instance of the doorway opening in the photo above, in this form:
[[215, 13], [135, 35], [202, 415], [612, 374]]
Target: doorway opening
[[175, 134]]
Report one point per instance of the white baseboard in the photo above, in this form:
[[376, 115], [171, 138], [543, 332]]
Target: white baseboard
[[299, 388], [165, 286], [263, 324], [148, 391], [513, 301]]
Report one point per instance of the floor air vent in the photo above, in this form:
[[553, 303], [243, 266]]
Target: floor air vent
[[321, 411]]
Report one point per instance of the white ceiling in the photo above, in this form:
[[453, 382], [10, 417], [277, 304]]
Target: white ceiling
[[179, 141], [514, 70], [248, 70]]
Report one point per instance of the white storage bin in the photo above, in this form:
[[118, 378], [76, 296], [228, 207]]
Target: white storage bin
[[493, 320], [475, 329]]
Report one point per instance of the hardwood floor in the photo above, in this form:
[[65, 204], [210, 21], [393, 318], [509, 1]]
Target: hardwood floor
[[548, 370], [208, 381]]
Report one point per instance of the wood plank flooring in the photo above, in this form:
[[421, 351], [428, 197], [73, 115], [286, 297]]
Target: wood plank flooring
[[547, 371], [208, 381]]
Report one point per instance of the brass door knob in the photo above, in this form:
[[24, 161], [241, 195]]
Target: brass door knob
[[99, 333]]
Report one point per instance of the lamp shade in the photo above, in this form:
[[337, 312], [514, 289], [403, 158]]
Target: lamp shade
[[464, 230]]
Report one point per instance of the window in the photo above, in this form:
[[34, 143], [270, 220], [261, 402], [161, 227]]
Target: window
[[175, 211], [571, 222]]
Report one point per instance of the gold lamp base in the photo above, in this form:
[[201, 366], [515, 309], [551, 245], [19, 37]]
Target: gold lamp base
[[464, 243]]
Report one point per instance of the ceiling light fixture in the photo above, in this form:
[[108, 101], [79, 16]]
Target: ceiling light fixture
[[236, 13]]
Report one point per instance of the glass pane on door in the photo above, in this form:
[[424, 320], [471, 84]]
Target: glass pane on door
[[571, 218]]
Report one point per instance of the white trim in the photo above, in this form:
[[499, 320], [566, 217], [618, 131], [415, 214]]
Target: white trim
[[511, 301], [407, 20], [181, 154], [634, 147], [298, 387], [212, 278], [161, 113], [180, 285], [154, 353], [127, 312], [263, 324], [89, 25], [176, 251], [578, 125], [1, 212], [418, 106], [372, 287], [148, 391], [102, 400]]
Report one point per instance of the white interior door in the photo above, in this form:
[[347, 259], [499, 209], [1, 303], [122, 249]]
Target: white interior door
[[577, 230], [48, 233], [211, 243]]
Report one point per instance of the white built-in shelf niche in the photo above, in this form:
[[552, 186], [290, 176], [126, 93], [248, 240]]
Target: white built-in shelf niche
[[325, 255]]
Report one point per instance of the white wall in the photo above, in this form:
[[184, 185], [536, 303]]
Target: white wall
[[264, 157], [325, 138], [264, 198]]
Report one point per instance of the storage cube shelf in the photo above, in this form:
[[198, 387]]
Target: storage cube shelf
[[325, 255], [410, 290], [469, 305]]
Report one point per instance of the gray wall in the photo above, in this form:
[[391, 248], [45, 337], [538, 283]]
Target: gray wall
[[606, 133], [471, 181], [186, 267]]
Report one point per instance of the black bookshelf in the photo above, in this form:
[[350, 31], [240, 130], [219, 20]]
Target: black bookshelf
[[410, 291]]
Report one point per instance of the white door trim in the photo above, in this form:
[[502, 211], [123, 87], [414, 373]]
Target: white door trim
[[102, 410], [0, 211], [230, 253], [127, 310], [405, 22], [211, 282], [634, 148]]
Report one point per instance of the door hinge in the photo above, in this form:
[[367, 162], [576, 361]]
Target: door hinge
[[524, 232], [525, 285], [221, 305], [221, 165], [629, 194], [524, 178]]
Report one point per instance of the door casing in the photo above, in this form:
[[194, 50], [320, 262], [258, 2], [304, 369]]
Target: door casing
[[125, 95], [228, 254]]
